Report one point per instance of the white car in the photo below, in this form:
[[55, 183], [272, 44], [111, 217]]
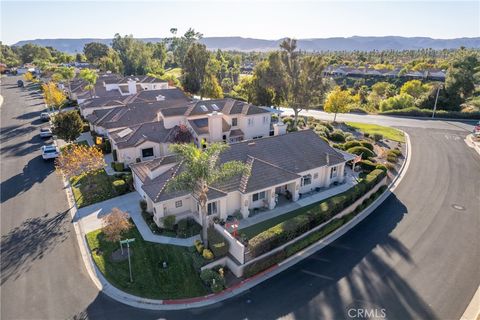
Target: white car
[[45, 116], [50, 151], [45, 132]]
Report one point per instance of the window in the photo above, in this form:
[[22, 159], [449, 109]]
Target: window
[[306, 180], [258, 196], [333, 172], [178, 204], [264, 119], [315, 176], [257, 137], [212, 208], [147, 152], [250, 122], [234, 122]]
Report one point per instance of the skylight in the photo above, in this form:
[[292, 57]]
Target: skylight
[[124, 132], [215, 107], [203, 107]]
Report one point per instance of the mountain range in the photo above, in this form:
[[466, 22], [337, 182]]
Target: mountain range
[[317, 44]]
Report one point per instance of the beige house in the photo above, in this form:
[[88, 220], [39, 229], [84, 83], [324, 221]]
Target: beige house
[[282, 168]]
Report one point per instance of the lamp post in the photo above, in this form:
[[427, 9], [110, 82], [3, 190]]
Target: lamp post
[[436, 99], [127, 242]]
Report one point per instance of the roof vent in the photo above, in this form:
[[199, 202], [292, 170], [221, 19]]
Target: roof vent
[[160, 98]]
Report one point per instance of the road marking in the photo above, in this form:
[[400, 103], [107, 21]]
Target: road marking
[[318, 275]]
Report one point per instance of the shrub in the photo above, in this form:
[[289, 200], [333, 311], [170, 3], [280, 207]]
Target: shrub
[[366, 134], [417, 112], [350, 138], [263, 264], [392, 158], [366, 144], [377, 137], [118, 166], [169, 222], [366, 153], [395, 152], [86, 127], [182, 226], [351, 144], [327, 124], [367, 165], [389, 166], [337, 136], [207, 254], [321, 129], [120, 186], [199, 246], [213, 279], [143, 205], [381, 167], [217, 244]]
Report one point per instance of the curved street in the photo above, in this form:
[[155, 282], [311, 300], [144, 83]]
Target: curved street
[[416, 256]]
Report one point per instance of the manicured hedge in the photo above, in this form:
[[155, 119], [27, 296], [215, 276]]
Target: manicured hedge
[[367, 165], [269, 261], [314, 215], [350, 144], [366, 144], [337, 136], [417, 112], [366, 153]]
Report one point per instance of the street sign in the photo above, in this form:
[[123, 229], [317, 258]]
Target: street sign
[[127, 241]]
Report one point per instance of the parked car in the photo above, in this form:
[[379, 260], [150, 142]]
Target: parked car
[[45, 116], [45, 132], [20, 83], [50, 151]]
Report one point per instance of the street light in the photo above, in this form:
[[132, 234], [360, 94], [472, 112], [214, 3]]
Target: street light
[[436, 99], [127, 242]]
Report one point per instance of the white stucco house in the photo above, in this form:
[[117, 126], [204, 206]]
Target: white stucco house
[[282, 167]]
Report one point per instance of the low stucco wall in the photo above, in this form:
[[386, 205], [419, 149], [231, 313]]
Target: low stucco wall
[[236, 248]]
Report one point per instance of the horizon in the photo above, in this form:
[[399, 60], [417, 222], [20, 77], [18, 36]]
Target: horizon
[[269, 21]]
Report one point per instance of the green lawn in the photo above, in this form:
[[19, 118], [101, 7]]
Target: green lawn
[[387, 132], [150, 280], [99, 188], [176, 72]]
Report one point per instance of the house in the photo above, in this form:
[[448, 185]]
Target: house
[[436, 74], [282, 168], [145, 141]]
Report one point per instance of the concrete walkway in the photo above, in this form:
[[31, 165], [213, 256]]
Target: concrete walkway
[[91, 219], [86, 136], [305, 201]]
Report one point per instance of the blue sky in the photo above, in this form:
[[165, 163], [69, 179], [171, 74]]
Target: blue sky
[[22, 20]]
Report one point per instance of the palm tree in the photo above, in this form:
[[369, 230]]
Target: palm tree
[[90, 76], [201, 169]]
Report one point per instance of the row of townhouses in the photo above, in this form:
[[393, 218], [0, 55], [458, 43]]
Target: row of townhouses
[[142, 116], [345, 71]]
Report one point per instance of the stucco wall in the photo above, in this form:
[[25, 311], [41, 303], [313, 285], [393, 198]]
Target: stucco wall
[[257, 129]]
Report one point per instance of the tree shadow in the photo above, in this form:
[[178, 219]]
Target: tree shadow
[[29, 115], [34, 172], [31, 241], [11, 132], [23, 148], [353, 272]]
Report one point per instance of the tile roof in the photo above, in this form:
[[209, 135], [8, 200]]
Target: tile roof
[[272, 161], [151, 131]]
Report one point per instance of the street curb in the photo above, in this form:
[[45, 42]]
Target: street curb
[[469, 141], [197, 302], [473, 310]]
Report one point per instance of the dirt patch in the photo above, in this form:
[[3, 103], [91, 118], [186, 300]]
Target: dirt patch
[[118, 256]]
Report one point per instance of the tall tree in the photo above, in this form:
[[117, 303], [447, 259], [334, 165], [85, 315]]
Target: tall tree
[[90, 76], [94, 51], [78, 159], [68, 125], [201, 170], [194, 68], [115, 224], [66, 74], [53, 96], [296, 80], [463, 73]]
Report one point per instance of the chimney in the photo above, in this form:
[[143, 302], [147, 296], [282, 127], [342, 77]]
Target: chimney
[[132, 86], [279, 128], [328, 159], [215, 127]]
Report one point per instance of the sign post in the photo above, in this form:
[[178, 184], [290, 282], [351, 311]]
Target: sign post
[[127, 242]]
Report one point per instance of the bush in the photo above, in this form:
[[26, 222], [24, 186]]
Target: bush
[[118, 166], [169, 222], [217, 244], [381, 167], [120, 186], [199, 246], [392, 158], [86, 127], [417, 112], [350, 144], [366, 134], [207, 254], [213, 279], [395, 152], [366, 144], [367, 165], [366, 153], [143, 205], [337, 136], [377, 137], [389, 166], [263, 264]]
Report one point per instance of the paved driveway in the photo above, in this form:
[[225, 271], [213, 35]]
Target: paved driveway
[[91, 216]]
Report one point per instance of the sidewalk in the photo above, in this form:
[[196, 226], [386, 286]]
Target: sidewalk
[[91, 219]]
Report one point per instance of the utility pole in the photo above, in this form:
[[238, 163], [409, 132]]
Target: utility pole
[[436, 99]]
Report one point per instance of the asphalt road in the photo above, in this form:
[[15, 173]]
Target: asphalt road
[[415, 257]]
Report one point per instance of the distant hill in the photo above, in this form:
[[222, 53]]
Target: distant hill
[[250, 44]]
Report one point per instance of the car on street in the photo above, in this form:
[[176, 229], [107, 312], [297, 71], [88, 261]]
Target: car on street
[[45, 132], [45, 116], [20, 83], [50, 151]]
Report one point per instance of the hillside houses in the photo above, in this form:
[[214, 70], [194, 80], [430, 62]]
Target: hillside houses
[[347, 71]]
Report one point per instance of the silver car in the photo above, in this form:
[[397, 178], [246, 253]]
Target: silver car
[[50, 151]]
